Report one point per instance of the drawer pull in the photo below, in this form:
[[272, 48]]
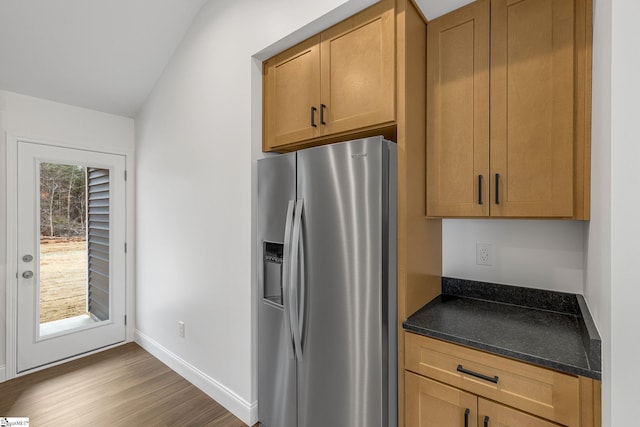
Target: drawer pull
[[466, 417], [486, 421], [477, 375]]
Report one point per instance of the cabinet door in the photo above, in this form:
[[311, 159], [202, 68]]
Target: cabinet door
[[291, 91], [532, 89], [458, 112], [358, 71], [491, 414], [432, 404]]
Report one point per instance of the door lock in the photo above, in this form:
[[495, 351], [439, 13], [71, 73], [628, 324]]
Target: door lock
[[27, 274], [27, 258]]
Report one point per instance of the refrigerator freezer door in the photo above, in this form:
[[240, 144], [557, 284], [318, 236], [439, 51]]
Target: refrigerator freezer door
[[343, 375], [276, 362]]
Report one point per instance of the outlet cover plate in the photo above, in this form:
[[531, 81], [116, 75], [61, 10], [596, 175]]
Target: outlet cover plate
[[484, 254]]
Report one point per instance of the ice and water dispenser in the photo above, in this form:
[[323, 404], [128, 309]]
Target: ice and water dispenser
[[272, 265]]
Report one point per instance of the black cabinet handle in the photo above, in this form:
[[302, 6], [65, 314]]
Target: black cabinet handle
[[477, 375], [466, 417], [480, 178], [486, 421], [322, 107], [313, 117], [497, 189]]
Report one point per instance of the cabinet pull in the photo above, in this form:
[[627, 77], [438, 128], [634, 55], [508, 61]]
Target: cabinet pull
[[313, 116], [486, 421], [322, 107], [477, 375], [480, 178], [466, 417], [497, 189]]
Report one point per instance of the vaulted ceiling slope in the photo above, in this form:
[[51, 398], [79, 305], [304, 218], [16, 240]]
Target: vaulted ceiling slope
[[434, 8], [105, 55]]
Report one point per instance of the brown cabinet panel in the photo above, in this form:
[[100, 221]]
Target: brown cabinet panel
[[432, 404], [358, 71], [518, 118], [458, 112], [491, 414], [292, 88], [532, 87]]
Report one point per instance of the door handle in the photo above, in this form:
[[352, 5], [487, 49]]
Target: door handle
[[294, 309], [466, 417], [27, 274], [286, 260], [313, 116], [477, 375], [486, 421], [480, 177], [497, 189], [322, 107]]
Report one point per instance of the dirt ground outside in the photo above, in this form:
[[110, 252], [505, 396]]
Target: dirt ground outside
[[63, 279]]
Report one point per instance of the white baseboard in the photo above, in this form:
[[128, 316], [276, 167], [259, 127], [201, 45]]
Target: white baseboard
[[247, 412], [3, 373]]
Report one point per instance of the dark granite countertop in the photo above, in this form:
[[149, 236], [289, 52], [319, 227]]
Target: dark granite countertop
[[546, 328]]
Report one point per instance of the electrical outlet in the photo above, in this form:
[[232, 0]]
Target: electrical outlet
[[181, 328], [484, 254]]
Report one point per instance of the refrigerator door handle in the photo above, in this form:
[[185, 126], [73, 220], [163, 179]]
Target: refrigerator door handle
[[286, 267], [294, 310]]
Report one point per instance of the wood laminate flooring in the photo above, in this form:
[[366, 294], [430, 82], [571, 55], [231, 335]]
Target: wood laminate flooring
[[123, 386]]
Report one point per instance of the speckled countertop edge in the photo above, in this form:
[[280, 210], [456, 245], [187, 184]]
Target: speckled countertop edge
[[541, 300]]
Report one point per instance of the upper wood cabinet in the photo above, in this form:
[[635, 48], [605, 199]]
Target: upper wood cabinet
[[339, 81], [458, 112], [293, 85], [507, 133]]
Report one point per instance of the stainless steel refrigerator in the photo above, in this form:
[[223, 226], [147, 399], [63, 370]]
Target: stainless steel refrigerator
[[327, 335]]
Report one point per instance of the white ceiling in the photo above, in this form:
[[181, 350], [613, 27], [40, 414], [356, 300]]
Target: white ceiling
[[434, 8], [105, 55]]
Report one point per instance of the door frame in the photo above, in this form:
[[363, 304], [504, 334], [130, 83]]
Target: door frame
[[11, 282]]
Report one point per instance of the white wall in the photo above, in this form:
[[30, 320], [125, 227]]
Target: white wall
[[597, 290], [196, 139], [25, 116], [543, 254], [625, 205]]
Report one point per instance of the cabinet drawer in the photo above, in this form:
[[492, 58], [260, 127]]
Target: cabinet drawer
[[543, 392]]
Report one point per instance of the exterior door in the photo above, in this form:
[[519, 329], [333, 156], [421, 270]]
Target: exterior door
[[71, 254]]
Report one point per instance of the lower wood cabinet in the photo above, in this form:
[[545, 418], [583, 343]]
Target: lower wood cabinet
[[433, 404], [491, 414], [451, 385]]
